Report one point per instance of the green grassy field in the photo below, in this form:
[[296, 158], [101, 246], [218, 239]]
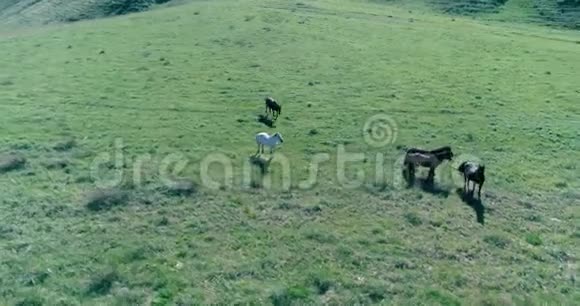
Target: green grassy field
[[171, 89]]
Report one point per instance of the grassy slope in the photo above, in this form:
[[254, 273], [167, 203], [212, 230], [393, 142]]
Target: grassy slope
[[325, 244], [539, 12], [17, 13]]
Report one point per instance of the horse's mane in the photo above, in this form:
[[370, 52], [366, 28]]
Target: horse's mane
[[436, 151], [442, 149], [415, 150]]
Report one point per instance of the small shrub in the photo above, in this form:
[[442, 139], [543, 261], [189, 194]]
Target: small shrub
[[288, 206], [404, 264], [22, 146], [559, 255], [321, 281], [440, 298], [376, 292], [288, 295], [136, 254], [11, 162], [436, 223], [319, 236], [58, 163], [533, 239], [30, 301], [311, 210], [413, 218], [124, 296], [496, 240], [181, 187], [164, 221], [36, 278], [534, 218], [102, 284], [105, 199], [65, 145], [248, 211], [84, 179]]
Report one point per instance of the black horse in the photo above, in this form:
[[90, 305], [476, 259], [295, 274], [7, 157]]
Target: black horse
[[472, 172], [273, 106], [430, 159]]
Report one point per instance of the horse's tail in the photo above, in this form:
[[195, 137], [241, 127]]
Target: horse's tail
[[482, 169]]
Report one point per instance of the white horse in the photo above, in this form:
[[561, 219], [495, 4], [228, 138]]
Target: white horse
[[264, 139]]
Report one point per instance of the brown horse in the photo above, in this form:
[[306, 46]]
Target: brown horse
[[430, 159], [273, 106]]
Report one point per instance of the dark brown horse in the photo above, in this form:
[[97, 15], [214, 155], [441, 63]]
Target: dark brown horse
[[472, 172], [429, 159], [273, 106]]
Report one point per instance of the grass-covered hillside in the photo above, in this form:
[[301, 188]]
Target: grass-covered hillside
[[109, 129], [553, 13], [35, 12]]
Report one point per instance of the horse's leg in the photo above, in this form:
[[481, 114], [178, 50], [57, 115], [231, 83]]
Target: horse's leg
[[464, 184], [411, 173], [468, 185], [471, 190], [479, 191], [431, 174]]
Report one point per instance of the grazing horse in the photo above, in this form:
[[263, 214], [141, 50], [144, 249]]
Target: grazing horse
[[472, 172], [429, 159], [273, 106], [264, 139]]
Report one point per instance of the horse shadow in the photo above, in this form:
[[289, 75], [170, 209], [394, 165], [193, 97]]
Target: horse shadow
[[426, 184], [475, 203], [261, 163], [266, 121]]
